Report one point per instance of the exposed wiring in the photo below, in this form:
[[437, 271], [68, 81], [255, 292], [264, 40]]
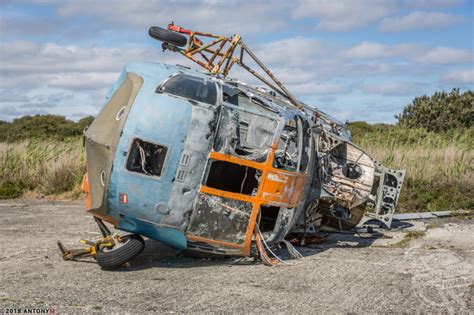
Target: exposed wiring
[[292, 250], [142, 158], [261, 245], [243, 181]]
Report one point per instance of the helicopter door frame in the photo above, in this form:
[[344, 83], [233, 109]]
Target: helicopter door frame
[[277, 187]]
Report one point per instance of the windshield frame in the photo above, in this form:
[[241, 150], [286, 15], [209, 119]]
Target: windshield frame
[[159, 89]]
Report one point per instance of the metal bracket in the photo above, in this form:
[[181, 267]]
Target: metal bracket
[[218, 57], [106, 240], [385, 199]]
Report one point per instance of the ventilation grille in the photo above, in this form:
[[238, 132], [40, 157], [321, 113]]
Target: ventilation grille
[[181, 175]]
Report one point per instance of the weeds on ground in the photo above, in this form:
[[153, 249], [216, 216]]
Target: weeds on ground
[[410, 236]]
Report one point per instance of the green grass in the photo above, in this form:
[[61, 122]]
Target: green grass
[[43, 166], [9, 190], [392, 136], [440, 166]]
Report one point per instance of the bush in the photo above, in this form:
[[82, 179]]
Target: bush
[[9, 190], [43, 127], [439, 112]]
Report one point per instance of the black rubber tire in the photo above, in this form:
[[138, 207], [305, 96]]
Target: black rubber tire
[[167, 36], [129, 248]]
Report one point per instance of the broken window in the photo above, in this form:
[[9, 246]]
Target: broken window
[[191, 87], [268, 218], [286, 155], [237, 97], [294, 146], [146, 158], [219, 218], [230, 95], [243, 134], [306, 147], [233, 178]]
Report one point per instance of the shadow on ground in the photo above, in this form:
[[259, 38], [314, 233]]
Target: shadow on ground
[[158, 255]]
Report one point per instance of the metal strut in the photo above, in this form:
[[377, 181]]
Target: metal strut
[[219, 55], [106, 240]]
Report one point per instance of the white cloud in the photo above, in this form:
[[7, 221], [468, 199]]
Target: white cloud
[[327, 99], [393, 88], [27, 57], [412, 52], [49, 73], [296, 60], [447, 55], [369, 50], [419, 20], [63, 77], [70, 66], [13, 111], [344, 15], [459, 76], [430, 4], [206, 16], [319, 88], [294, 51]]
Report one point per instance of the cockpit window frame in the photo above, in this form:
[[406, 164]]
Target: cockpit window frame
[[131, 145], [159, 88]]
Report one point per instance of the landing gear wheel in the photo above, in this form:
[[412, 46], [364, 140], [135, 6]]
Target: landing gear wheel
[[124, 250], [167, 36]]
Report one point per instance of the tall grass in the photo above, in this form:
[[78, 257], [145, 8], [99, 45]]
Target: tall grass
[[45, 167], [440, 166]]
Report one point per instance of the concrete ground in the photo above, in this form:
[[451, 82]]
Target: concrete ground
[[418, 266]]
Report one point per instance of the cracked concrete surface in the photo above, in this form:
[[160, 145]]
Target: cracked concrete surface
[[346, 273]]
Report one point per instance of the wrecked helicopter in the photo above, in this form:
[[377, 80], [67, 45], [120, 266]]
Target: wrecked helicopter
[[212, 165]]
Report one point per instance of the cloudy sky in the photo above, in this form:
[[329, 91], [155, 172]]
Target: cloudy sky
[[355, 59]]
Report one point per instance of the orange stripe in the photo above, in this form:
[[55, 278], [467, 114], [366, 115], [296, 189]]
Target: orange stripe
[[207, 240], [229, 158], [226, 194], [257, 200], [250, 228]]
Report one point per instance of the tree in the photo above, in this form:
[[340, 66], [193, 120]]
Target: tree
[[42, 126], [439, 112], [84, 122]]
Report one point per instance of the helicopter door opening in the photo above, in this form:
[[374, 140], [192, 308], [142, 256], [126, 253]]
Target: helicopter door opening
[[233, 178], [268, 218]]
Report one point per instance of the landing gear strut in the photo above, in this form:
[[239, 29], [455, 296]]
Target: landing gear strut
[[111, 251]]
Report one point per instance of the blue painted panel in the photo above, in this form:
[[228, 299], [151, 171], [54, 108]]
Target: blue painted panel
[[156, 118], [169, 236]]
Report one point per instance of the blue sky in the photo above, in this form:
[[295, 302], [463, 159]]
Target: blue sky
[[354, 59]]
